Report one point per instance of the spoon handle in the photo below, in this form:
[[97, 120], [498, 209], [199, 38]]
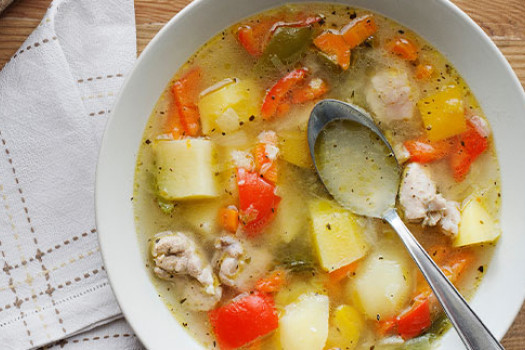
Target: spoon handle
[[474, 334]]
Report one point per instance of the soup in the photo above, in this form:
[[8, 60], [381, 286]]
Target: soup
[[244, 244]]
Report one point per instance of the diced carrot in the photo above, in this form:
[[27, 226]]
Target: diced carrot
[[457, 264], [342, 272], [424, 71], [266, 167], [185, 94], [172, 125], [403, 48], [272, 283], [229, 218], [335, 47], [246, 37], [426, 151], [315, 88], [357, 31], [264, 154], [275, 96], [415, 320]]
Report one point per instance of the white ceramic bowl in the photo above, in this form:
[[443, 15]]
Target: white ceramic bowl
[[502, 291]]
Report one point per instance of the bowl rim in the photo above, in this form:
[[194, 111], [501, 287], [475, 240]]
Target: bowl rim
[[101, 193]]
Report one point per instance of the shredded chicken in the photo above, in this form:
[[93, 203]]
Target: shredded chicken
[[421, 202], [391, 96], [175, 255], [239, 263], [227, 259]]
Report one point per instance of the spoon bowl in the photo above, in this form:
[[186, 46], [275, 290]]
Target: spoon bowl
[[472, 331]]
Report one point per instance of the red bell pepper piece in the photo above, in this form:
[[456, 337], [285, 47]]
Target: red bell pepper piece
[[244, 320], [426, 151], [415, 320], [471, 144], [315, 88], [257, 201], [185, 94], [275, 96]]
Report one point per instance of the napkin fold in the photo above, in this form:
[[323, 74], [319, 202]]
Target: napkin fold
[[56, 94]]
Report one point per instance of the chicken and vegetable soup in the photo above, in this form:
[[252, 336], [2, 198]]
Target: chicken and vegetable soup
[[245, 245]]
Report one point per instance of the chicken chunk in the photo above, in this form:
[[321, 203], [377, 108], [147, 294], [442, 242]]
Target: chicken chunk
[[239, 263], [391, 96], [227, 259], [176, 255], [451, 217], [421, 203]]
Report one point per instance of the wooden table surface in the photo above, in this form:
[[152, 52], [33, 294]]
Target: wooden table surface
[[503, 20]]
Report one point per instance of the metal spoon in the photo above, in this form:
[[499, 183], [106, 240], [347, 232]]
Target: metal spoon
[[474, 334]]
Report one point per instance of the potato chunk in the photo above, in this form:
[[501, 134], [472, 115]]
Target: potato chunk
[[476, 225], [337, 236], [222, 110], [382, 284], [443, 114], [185, 169], [346, 324], [293, 145], [304, 325]]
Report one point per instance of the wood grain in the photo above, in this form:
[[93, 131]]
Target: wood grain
[[502, 20]]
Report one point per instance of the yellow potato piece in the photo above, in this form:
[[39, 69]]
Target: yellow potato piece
[[224, 109], [382, 284], [337, 236], [346, 324], [304, 324], [185, 169], [476, 225], [443, 114], [293, 145]]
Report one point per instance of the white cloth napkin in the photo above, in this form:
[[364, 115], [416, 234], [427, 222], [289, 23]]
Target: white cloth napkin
[[55, 97]]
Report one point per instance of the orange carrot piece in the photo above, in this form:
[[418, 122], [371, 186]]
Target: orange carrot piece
[[424, 71], [335, 47], [185, 94], [357, 31], [172, 124], [426, 151], [272, 283], [229, 218], [266, 166], [403, 48], [341, 273]]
